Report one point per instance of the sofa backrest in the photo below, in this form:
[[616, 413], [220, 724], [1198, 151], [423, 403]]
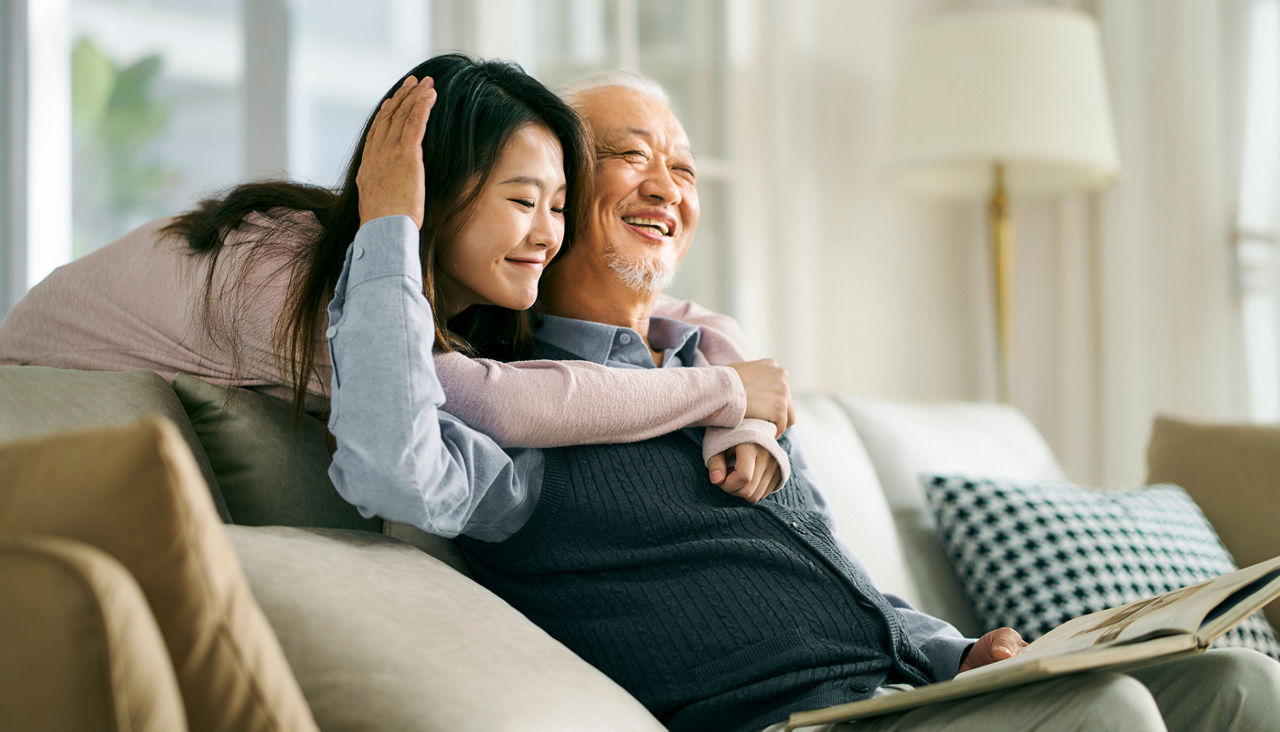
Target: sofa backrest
[[844, 472], [37, 400], [905, 441]]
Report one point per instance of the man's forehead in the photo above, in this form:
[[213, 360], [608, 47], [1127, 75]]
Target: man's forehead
[[616, 112]]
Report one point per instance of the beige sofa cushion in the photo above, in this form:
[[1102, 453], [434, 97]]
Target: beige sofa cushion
[[385, 637], [135, 492], [38, 400], [1233, 473], [81, 648], [907, 440]]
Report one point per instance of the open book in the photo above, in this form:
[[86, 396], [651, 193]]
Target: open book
[[1185, 620]]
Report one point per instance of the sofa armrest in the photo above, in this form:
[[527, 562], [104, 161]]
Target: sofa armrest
[[81, 647]]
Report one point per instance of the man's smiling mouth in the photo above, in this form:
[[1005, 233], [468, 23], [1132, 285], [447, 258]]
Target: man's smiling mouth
[[659, 226]]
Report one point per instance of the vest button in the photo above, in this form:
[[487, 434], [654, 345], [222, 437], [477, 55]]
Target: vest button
[[799, 529], [861, 688], [624, 339]]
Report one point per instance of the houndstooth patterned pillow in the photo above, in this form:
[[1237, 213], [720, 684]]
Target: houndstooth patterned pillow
[[1032, 555]]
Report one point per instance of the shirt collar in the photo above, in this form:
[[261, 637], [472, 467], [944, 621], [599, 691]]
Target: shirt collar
[[601, 343]]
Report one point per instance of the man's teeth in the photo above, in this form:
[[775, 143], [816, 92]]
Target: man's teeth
[[661, 226]]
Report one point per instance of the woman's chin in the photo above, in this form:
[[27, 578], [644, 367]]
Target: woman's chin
[[518, 302]]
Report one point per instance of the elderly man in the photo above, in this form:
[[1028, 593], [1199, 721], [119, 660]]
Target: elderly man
[[718, 613]]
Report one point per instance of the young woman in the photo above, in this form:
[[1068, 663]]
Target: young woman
[[234, 292]]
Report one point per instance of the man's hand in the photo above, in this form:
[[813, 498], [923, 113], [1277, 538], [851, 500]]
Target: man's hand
[[391, 180], [768, 394], [749, 473], [997, 645]]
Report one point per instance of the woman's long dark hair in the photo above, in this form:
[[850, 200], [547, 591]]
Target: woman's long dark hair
[[480, 104]]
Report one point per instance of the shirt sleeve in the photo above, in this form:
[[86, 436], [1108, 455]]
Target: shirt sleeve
[[939, 641], [559, 403], [398, 454]]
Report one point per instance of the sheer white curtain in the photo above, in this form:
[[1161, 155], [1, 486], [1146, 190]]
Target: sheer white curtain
[[1129, 303], [1258, 219]]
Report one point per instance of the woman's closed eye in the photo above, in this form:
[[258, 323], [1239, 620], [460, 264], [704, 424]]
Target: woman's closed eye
[[523, 202]]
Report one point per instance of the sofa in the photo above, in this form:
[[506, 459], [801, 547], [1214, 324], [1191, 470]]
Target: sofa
[[379, 624]]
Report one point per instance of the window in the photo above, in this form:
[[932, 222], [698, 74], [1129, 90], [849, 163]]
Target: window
[[156, 110], [122, 111], [1258, 228], [682, 46], [129, 110]]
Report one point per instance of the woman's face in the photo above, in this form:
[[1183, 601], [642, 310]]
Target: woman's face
[[512, 230]]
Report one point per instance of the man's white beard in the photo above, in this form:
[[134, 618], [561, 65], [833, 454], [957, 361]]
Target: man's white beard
[[642, 276]]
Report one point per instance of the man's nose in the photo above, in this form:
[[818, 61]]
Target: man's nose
[[660, 185]]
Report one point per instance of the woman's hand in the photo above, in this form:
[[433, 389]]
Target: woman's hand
[[747, 471], [768, 394], [391, 180]]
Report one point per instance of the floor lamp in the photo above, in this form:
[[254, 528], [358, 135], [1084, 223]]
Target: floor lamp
[[1000, 102]]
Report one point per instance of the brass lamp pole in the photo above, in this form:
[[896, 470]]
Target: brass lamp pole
[[984, 90], [1002, 258]]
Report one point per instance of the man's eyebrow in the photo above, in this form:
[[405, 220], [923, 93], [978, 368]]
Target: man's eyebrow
[[528, 180], [648, 135]]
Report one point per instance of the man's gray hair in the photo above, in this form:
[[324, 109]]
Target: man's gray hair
[[629, 79]]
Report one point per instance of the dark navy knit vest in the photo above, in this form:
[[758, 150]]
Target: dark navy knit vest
[[713, 612]]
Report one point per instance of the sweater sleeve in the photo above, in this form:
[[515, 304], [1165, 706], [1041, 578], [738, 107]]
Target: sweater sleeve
[[723, 342], [558, 403]]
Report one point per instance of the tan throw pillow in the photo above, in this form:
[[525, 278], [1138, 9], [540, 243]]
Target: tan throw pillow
[[81, 648], [1233, 473], [135, 492]]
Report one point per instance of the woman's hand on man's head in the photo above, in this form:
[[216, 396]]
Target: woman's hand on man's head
[[391, 180]]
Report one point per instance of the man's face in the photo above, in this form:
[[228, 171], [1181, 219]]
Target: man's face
[[646, 204]]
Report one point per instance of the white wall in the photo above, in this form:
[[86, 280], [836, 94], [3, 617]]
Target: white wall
[[906, 278]]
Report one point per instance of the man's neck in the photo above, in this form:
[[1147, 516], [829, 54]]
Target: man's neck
[[599, 297]]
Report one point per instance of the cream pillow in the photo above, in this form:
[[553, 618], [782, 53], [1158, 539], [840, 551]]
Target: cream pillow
[[135, 492]]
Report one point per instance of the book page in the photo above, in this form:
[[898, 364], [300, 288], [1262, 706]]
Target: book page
[[1180, 611]]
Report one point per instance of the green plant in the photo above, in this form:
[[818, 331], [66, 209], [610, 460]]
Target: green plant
[[115, 118]]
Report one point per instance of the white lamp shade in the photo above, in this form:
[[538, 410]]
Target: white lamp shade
[[1024, 87]]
